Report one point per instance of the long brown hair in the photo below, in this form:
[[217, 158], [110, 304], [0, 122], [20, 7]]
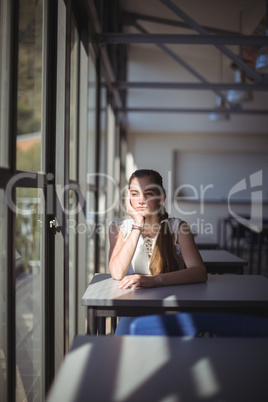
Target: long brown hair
[[163, 257]]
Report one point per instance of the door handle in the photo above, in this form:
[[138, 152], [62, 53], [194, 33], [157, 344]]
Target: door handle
[[53, 223]]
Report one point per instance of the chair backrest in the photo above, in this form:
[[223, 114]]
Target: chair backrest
[[201, 324]]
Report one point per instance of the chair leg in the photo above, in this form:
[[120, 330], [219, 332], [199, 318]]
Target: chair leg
[[113, 325]]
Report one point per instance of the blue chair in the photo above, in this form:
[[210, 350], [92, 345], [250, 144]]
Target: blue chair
[[123, 326], [200, 324]]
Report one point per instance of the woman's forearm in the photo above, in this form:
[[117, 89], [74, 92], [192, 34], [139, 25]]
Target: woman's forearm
[[120, 262], [194, 274]]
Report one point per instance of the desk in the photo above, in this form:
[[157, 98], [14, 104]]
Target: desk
[[149, 369], [222, 262], [235, 293]]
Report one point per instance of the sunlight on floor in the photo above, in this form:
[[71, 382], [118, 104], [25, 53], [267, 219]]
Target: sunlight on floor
[[132, 361], [77, 359], [204, 378]]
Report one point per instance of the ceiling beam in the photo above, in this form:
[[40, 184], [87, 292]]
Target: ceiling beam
[[128, 38], [189, 85], [129, 18], [219, 45], [182, 62], [193, 110], [106, 67]]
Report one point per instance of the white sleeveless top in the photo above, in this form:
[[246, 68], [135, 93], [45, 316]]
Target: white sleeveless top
[[140, 261]]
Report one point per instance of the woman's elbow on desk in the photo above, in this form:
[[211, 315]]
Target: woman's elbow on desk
[[204, 276], [199, 274], [186, 276], [118, 276]]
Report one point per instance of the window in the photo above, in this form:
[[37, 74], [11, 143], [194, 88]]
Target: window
[[48, 107], [73, 176], [3, 296], [30, 88], [73, 206], [30, 208], [91, 161], [4, 79], [103, 181], [29, 294], [73, 102]]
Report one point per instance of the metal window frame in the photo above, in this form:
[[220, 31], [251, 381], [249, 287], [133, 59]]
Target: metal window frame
[[11, 280], [51, 19], [97, 163]]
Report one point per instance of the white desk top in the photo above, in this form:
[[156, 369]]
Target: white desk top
[[162, 369], [219, 291]]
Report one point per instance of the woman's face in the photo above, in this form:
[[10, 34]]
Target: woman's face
[[145, 196]]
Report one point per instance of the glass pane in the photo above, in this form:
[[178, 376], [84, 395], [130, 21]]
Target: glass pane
[[72, 264], [3, 297], [29, 117], [4, 79], [91, 177], [91, 235], [73, 102], [103, 140], [103, 184], [91, 121], [29, 295]]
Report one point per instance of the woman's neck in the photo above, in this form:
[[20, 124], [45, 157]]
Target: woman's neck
[[151, 226]]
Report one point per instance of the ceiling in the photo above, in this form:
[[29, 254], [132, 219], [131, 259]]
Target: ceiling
[[164, 79]]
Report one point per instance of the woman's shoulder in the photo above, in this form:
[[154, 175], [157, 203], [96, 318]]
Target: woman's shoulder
[[124, 224], [173, 219], [174, 223], [123, 221]]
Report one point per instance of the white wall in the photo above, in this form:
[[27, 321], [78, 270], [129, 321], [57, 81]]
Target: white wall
[[149, 64], [156, 150]]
